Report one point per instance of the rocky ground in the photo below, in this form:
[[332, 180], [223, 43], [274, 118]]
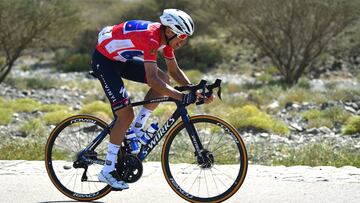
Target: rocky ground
[[290, 114]]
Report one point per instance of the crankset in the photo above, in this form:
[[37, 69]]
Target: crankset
[[129, 168]]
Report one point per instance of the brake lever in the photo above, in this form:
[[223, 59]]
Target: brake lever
[[219, 93], [202, 100]]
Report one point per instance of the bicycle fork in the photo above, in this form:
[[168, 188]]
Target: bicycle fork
[[204, 158]]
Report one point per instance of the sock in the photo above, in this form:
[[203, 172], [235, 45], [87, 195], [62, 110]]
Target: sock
[[141, 119], [111, 157]]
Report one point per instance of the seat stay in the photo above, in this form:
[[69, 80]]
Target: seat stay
[[99, 138]]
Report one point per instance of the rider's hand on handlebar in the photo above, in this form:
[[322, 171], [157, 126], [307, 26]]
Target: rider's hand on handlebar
[[208, 99], [189, 98]]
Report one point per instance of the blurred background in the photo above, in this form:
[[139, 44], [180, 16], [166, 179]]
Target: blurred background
[[290, 68]]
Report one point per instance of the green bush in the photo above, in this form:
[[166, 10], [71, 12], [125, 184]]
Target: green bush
[[272, 70], [18, 83], [250, 116], [201, 54], [194, 75], [33, 127], [68, 61], [53, 107], [41, 83], [36, 82], [95, 107], [91, 85], [2, 60], [319, 154], [27, 149], [343, 94], [24, 105], [264, 78], [319, 122], [301, 94], [352, 126], [336, 114], [5, 116], [304, 83], [53, 118], [296, 95], [164, 111], [328, 117], [312, 114]]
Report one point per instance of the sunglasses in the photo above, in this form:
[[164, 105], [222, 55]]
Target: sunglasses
[[182, 36]]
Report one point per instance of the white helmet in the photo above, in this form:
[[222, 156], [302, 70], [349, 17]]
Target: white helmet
[[178, 21]]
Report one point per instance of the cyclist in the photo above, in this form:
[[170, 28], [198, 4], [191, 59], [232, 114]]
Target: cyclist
[[117, 56]]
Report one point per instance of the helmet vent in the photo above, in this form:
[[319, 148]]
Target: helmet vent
[[179, 28], [187, 27]]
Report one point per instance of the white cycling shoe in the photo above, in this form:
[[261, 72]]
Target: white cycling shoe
[[113, 180]]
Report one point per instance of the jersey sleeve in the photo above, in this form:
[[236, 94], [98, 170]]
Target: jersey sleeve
[[168, 52], [150, 52]]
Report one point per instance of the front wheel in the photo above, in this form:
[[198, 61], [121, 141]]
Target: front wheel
[[220, 175]]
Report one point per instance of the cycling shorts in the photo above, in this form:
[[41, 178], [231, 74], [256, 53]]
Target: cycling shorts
[[110, 74]]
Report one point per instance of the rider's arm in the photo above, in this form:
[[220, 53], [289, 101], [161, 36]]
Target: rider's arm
[[154, 81], [176, 73]]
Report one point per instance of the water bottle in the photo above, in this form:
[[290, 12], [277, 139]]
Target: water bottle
[[146, 136], [133, 140]]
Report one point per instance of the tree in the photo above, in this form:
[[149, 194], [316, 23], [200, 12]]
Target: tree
[[23, 22], [293, 33]]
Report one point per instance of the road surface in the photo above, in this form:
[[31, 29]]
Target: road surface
[[27, 181]]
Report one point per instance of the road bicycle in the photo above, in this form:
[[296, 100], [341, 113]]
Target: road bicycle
[[203, 157]]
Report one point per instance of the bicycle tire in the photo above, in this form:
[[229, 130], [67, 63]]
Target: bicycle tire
[[49, 162], [174, 183]]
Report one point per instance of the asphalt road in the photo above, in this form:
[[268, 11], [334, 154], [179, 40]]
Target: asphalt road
[[27, 181]]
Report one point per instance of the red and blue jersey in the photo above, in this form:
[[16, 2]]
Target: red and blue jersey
[[130, 39]]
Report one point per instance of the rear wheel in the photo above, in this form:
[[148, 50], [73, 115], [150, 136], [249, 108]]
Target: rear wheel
[[218, 174], [75, 178]]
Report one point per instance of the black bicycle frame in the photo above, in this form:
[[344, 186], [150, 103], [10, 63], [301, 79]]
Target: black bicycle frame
[[146, 149]]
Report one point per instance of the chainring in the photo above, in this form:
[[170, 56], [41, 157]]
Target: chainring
[[129, 168]]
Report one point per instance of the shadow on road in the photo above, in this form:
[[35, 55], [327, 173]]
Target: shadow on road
[[67, 201]]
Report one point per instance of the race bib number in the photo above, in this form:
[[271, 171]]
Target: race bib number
[[106, 33], [136, 26], [128, 54]]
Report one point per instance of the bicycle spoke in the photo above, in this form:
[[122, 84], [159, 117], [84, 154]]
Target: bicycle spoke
[[77, 170], [67, 174], [230, 178], [187, 175], [211, 138], [70, 180], [68, 142], [207, 189], [194, 181], [199, 181], [220, 180], [211, 182], [212, 175], [65, 149]]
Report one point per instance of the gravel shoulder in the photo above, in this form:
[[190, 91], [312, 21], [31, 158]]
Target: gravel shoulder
[[27, 181]]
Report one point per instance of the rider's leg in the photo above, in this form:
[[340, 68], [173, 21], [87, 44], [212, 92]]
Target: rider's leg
[[117, 134], [147, 109], [152, 93], [108, 74], [123, 121]]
